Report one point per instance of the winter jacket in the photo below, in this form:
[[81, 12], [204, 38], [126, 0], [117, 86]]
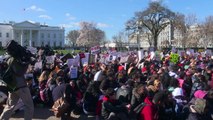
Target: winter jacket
[[109, 106], [149, 112]]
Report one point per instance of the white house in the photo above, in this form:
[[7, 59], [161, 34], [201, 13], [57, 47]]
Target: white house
[[28, 33]]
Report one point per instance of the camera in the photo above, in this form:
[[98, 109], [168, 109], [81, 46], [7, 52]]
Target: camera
[[20, 53]]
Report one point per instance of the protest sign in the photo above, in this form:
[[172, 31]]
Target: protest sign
[[38, 65], [50, 59], [140, 54], [85, 60], [32, 49], [72, 62], [95, 49], [208, 52], [174, 50], [81, 55], [181, 53], [92, 58], [174, 58], [73, 72]]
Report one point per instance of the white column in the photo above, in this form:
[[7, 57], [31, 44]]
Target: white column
[[21, 37], [30, 41], [38, 42]]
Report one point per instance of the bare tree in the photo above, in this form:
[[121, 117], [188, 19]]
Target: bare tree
[[155, 18], [119, 39], [207, 31], [90, 35], [188, 28], [72, 37]]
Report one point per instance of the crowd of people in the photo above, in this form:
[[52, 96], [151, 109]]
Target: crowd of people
[[146, 89]]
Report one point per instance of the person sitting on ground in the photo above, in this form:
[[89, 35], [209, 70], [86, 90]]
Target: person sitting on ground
[[111, 108]]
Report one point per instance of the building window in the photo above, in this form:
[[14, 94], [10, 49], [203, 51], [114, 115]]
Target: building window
[[60, 35], [42, 43], [7, 35], [60, 44], [0, 34], [54, 43], [33, 43], [0, 44], [17, 35], [54, 35], [48, 35], [42, 35], [48, 43]]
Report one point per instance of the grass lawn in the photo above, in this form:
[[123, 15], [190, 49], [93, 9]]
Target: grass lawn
[[2, 52]]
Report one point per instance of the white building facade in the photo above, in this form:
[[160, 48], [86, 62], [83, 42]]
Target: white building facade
[[31, 34]]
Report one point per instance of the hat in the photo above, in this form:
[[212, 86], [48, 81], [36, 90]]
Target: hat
[[200, 94], [200, 105], [120, 68], [199, 70], [144, 70]]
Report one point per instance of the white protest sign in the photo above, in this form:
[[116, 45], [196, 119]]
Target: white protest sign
[[86, 59], [38, 65], [181, 52], [50, 59], [95, 49], [72, 62], [73, 72], [140, 54], [32, 49], [174, 50], [152, 55], [208, 52]]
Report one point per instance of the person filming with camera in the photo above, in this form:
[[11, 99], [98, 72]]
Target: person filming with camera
[[14, 78]]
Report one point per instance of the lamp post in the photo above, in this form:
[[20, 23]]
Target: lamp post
[[138, 23]]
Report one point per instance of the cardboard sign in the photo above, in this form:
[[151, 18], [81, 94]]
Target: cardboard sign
[[73, 72], [174, 58]]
